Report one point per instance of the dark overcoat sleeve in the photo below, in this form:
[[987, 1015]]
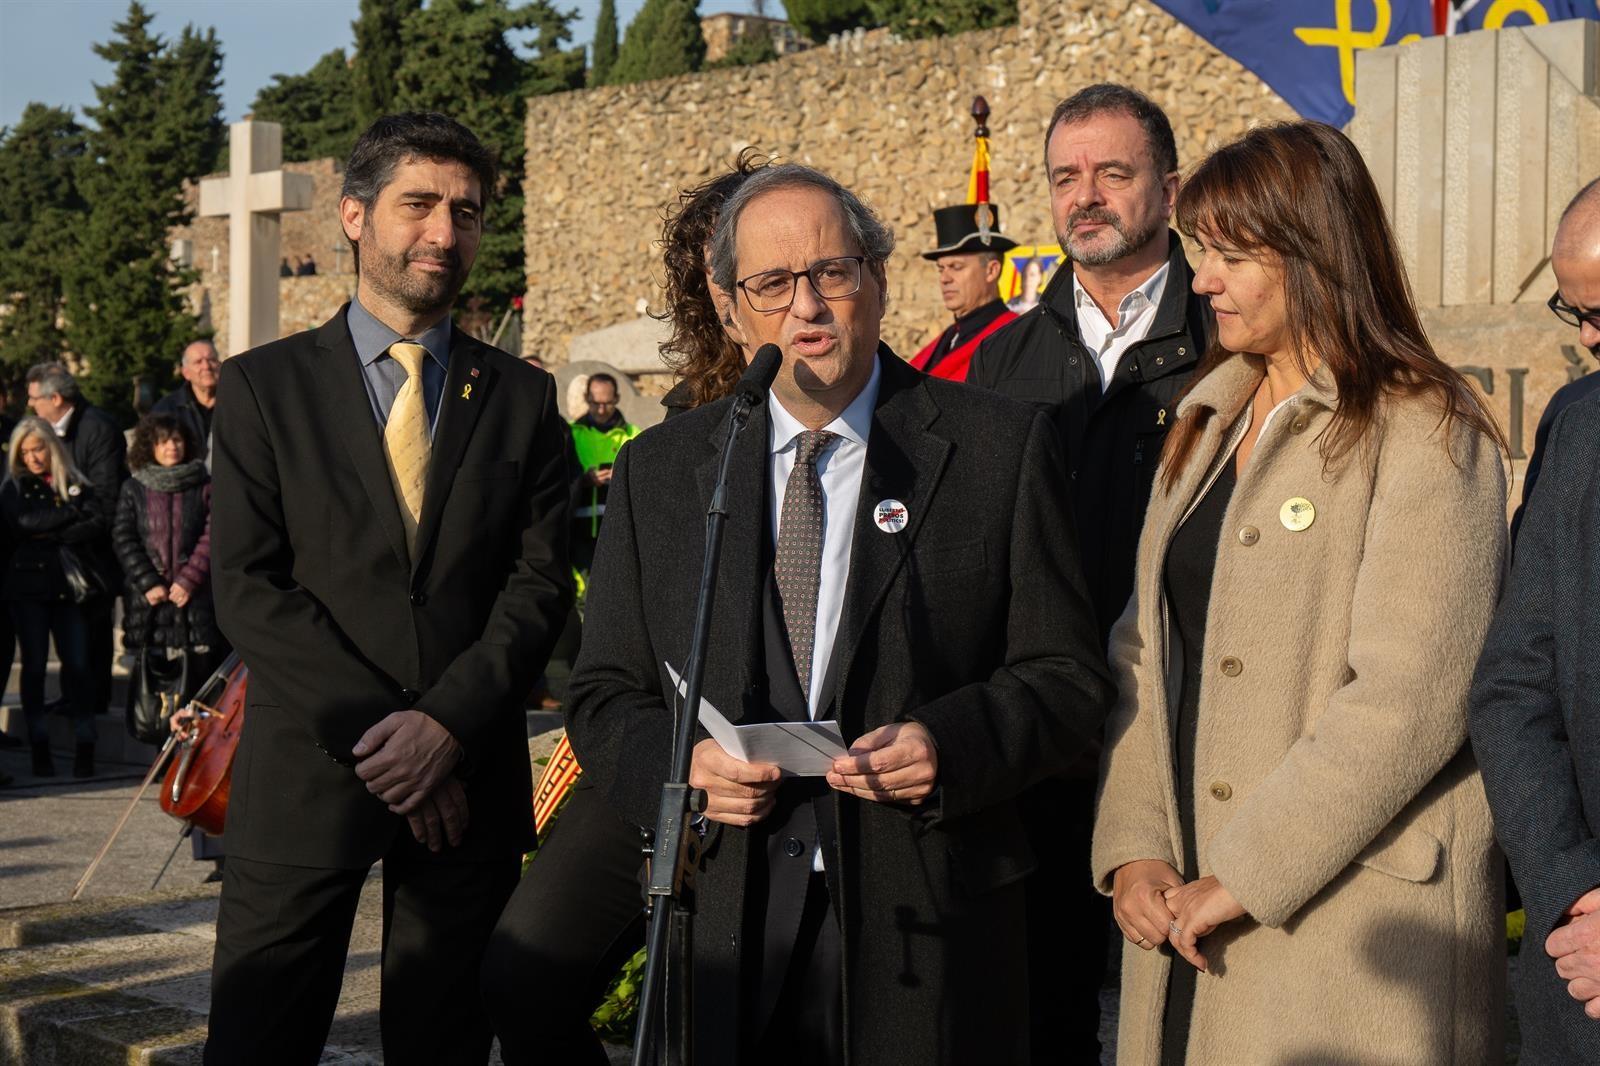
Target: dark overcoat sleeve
[[531, 607], [291, 642], [1519, 733], [128, 540], [1047, 704]]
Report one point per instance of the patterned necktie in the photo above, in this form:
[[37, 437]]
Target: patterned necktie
[[406, 444], [798, 563]]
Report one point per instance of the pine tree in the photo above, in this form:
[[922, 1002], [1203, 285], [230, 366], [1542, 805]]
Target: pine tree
[[818, 19], [380, 51], [316, 109], [935, 18], [459, 60], [157, 124], [662, 41], [39, 209], [604, 53]]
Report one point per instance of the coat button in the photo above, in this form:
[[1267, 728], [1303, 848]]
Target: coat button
[[1160, 361], [1073, 361], [1183, 351], [1221, 791], [1249, 535], [410, 696], [1232, 667], [793, 848], [419, 597]]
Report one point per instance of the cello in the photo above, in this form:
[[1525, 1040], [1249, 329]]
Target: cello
[[195, 789]]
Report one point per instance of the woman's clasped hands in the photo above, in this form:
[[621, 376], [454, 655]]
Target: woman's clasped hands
[[1153, 906]]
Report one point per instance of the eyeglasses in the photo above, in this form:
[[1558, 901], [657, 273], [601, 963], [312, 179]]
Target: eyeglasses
[[1574, 316], [831, 279]]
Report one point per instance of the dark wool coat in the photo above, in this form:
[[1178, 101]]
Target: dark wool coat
[[1111, 437], [1535, 721], [100, 452], [39, 523], [972, 621], [151, 525]]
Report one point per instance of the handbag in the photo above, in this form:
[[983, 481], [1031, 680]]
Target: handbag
[[155, 690], [84, 582]]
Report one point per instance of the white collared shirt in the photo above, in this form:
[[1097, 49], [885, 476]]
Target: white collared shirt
[[840, 468], [65, 423], [1135, 315]]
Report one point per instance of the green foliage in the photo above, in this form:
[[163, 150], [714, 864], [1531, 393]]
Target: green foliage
[[613, 1020], [817, 19], [380, 52], [662, 41], [1516, 926], [604, 53], [747, 52], [316, 109], [936, 18], [459, 60], [157, 124], [39, 206]]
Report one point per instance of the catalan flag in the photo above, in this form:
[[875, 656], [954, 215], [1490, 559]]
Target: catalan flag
[[978, 183]]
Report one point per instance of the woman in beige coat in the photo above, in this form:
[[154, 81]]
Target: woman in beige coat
[[1290, 824]]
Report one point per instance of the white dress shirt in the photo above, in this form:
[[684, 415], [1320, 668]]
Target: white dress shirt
[[839, 467], [1135, 315]]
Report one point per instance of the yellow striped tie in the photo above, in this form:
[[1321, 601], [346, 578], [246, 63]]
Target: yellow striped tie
[[406, 444]]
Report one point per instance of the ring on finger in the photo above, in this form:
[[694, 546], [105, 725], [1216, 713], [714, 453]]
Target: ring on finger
[[1142, 940], [1175, 928]]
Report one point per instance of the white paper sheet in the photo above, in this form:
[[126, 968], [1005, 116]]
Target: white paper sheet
[[803, 749]]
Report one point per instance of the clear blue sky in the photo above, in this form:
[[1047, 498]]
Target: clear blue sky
[[46, 55]]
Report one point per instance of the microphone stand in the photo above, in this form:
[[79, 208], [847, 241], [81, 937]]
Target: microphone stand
[[674, 848]]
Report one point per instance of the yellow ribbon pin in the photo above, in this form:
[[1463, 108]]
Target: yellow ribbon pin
[[466, 392]]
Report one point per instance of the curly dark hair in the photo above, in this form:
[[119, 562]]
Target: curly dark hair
[[699, 352], [152, 430]]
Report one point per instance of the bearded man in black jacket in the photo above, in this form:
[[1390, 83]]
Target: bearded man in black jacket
[[1106, 353]]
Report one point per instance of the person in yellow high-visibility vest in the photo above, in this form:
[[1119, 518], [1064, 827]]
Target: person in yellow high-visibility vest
[[597, 437]]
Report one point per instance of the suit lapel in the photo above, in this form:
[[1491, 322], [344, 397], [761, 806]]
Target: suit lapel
[[343, 403], [742, 580], [905, 462], [466, 390]]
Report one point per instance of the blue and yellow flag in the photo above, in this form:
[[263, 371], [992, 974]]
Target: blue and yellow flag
[[1305, 49]]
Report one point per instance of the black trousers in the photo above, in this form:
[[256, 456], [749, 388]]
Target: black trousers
[[572, 922], [807, 1023], [282, 936], [1069, 924], [98, 616]]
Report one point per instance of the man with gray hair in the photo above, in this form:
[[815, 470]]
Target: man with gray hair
[[99, 451], [898, 558], [193, 402]]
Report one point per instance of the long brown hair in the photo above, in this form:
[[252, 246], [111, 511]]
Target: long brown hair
[[1299, 191], [698, 351]]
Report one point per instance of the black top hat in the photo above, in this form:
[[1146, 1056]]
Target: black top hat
[[958, 231]]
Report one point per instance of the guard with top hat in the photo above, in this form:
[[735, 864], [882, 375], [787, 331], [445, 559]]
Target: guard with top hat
[[968, 257]]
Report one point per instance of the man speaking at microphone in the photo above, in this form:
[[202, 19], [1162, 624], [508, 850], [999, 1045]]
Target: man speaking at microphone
[[893, 559]]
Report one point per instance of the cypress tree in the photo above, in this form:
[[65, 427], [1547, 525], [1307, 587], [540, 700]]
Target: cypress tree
[[39, 209], [316, 109], [158, 123], [459, 60], [604, 54], [380, 51], [818, 19], [663, 40]]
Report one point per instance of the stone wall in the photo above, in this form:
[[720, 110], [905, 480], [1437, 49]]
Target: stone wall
[[890, 119]]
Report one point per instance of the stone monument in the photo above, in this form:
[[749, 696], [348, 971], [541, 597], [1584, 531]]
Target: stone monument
[[252, 196]]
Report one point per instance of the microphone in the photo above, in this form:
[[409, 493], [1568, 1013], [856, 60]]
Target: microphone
[[758, 376]]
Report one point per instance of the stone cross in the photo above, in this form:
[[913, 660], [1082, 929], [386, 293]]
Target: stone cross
[[252, 196]]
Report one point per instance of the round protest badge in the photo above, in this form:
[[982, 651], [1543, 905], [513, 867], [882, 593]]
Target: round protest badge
[[890, 516], [1297, 514]]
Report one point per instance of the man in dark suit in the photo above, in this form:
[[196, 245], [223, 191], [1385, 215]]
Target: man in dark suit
[[193, 402], [1534, 711], [898, 556], [100, 452], [390, 560]]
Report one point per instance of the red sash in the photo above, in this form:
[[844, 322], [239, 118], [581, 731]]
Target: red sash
[[954, 366]]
